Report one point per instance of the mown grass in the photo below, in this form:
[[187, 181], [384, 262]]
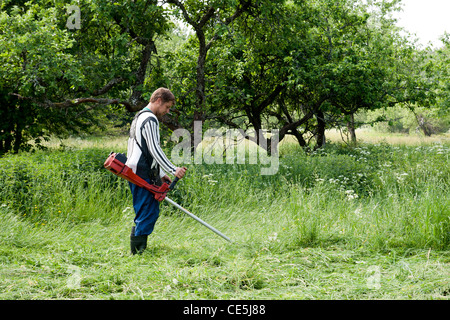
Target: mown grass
[[370, 222]]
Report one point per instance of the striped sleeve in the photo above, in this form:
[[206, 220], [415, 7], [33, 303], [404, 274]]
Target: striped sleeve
[[151, 134]]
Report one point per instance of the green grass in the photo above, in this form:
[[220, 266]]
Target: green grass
[[371, 222]]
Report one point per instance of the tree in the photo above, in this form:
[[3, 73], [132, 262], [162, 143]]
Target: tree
[[304, 66], [56, 80], [435, 66], [443, 73], [209, 20], [297, 67], [251, 67]]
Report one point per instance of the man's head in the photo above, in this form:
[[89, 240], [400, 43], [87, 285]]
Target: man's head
[[161, 101]]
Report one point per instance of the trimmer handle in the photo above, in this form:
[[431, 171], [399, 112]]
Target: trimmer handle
[[174, 182]]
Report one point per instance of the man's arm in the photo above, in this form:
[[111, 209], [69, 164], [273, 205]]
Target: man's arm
[[151, 135]]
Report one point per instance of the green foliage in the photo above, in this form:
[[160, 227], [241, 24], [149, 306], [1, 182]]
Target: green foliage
[[402, 120], [30, 67], [56, 80], [298, 66], [60, 185], [301, 67]]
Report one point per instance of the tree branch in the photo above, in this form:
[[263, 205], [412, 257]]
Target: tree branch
[[70, 103], [292, 126], [239, 11], [108, 86], [206, 17], [183, 10], [73, 102]]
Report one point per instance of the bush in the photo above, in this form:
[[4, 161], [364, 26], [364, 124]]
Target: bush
[[45, 185]]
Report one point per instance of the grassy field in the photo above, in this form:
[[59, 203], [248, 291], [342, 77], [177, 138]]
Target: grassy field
[[371, 222]]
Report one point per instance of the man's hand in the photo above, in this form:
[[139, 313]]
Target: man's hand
[[166, 179], [180, 172]]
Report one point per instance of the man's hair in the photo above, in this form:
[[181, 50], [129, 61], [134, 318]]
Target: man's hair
[[164, 94]]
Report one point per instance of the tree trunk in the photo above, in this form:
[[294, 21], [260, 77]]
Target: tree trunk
[[320, 139], [136, 96], [351, 129], [299, 137], [424, 125]]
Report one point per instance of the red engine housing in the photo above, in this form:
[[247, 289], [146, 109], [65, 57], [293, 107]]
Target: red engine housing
[[116, 164]]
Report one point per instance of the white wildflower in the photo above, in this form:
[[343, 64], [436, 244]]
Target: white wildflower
[[351, 194]]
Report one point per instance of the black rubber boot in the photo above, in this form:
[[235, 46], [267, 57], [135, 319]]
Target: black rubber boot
[[137, 243]]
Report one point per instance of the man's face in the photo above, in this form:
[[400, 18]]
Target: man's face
[[162, 108]]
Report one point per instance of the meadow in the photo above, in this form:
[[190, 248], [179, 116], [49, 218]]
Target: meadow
[[359, 223]]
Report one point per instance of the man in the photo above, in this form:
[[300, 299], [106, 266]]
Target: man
[[147, 160]]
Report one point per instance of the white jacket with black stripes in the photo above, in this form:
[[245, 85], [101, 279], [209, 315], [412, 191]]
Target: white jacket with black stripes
[[145, 156]]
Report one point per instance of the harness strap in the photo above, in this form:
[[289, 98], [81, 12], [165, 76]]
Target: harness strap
[[133, 133]]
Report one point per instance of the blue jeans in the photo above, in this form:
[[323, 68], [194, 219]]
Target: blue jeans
[[146, 208]]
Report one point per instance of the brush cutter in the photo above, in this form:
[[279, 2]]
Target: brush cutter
[[116, 164]]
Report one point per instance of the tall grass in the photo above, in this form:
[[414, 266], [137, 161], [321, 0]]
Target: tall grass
[[376, 195]]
